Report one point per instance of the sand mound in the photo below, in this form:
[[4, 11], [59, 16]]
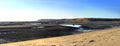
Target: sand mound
[[110, 37]]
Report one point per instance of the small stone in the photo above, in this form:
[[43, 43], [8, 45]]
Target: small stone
[[53, 45], [91, 41], [42, 45], [75, 45]]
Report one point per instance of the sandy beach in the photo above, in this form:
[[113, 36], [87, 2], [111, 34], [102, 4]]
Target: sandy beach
[[108, 37]]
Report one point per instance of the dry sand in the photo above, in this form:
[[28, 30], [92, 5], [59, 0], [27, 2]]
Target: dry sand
[[109, 37]]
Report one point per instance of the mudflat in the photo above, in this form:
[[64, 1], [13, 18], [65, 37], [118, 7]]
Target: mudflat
[[108, 37]]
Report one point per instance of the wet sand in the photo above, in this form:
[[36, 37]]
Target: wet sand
[[108, 37]]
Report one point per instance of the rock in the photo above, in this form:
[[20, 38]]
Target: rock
[[91, 41], [53, 45]]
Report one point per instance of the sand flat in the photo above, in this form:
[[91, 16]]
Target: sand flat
[[109, 37]]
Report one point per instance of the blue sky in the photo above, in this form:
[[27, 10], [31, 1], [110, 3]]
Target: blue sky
[[30, 10]]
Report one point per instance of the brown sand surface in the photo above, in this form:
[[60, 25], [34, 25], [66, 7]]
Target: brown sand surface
[[109, 37]]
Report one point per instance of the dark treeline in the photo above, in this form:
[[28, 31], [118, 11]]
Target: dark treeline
[[98, 19], [103, 19]]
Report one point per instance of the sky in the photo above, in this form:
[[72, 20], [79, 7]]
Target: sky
[[32, 10]]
